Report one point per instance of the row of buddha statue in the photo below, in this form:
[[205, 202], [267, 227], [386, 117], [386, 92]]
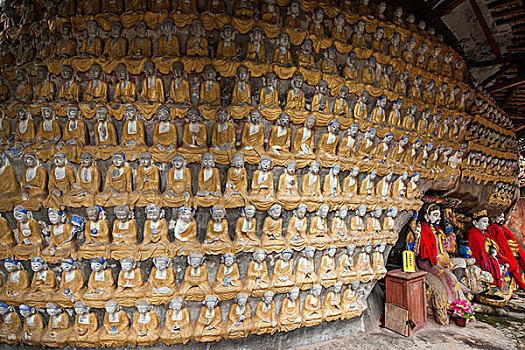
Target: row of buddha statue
[[503, 194], [483, 168]]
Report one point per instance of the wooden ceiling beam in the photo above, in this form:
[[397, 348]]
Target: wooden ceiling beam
[[511, 20], [492, 62], [442, 9], [503, 4], [513, 11], [509, 96], [486, 30], [496, 74], [508, 83]]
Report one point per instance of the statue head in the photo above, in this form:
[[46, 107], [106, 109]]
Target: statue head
[[150, 70], [310, 252], [249, 211], [37, 264], [355, 171], [323, 210], [286, 255], [176, 303], [334, 126], [332, 249], [81, 308], [293, 294], [196, 28], [297, 80], [392, 212], [141, 28], [52, 309], [122, 72], [241, 299], [275, 211], [101, 113], [257, 34], [336, 288], [56, 216], [361, 210], [153, 212], [195, 259], [480, 220], [65, 29], [259, 255], [21, 214], [161, 262], [143, 306], [167, 26], [315, 167], [118, 159], [499, 219], [112, 306], [47, 112], [432, 214], [284, 41], [350, 249], [127, 264], [309, 121], [377, 212], [301, 210], [271, 79], [342, 212], [316, 290], [217, 213], [222, 115], [67, 264], [116, 29], [208, 160], [95, 71], [265, 163], [268, 297], [12, 264]]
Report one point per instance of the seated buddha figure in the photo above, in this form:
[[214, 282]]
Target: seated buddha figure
[[338, 31], [30, 238], [350, 71], [318, 233], [378, 261], [338, 231], [320, 100], [262, 193], [208, 183], [178, 186], [312, 313], [155, 241], [9, 191], [331, 189], [227, 282], [194, 137], [43, 285], [257, 281], [152, 85], [84, 331], [241, 94], [25, 130], [272, 239], [327, 268], [295, 96], [367, 186], [145, 330], [328, 65], [238, 324], [161, 286], [361, 109], [129, 284], [58, 327], [105, 135], [209, 325], [409, 121], [351, 306], [378, 41], [125, 90], [345, 266], [24, 90], [246, 239], [369, 72], [101, 283], [140, 45], [147, 190], [264, 319], [421, 59], [70, 90], [399, 187], [311, 187], [179, 86], [165, 138], [17, 282], [116, 45], [11, 328], [33, 326], [252, 137], [332, 308], [96, 234], [357, 224], [378, 115], [197, 44], [184, 232], [269, 97], [279, 141], [415, 89], [133, 137], [282, 280], [118, 185], [366, 146], [62, 241], [288, 189], [303, 142], [296, 231], [341, 107], [178, 327], [227, 47], [408, 54], [72, 284], [217, 240], [358, 36], [49, 133], [222, 137], [45, 89], [305, 276], [210, 90], [196, 284], [61, 180], [76, 135], [256, 50], [97, 89], [289, 314], [347, 147], [116, 327], [168, 44], [362, 265], [124, 233], [305, 57], [292, 16], [373, 225], [282, 54]]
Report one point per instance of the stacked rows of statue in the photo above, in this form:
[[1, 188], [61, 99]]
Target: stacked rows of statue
[[484, 168]]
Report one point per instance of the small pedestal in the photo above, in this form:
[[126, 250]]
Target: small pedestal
[[406, 301]]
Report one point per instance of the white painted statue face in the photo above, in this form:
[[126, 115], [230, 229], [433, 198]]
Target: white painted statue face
[[481, 224], [96, 267]]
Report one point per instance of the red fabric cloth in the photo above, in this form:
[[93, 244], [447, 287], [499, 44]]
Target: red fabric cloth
[[497, 234], [509, 235], [428, 244], [476, 243]]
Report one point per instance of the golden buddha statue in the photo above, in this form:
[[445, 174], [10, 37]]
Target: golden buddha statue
[[33, 326], [421, 60], [125, 90], [369, 72], [305, 57], [257, 282], [179, 86], [209, 326], [11, 327], [269, 11], [378, 42], [332, 308], [222, 137], [357, 224], [328, 65], [288, 190], [345, 266], [101, 283], [361, 109], [351, 306], [383, 188], [217, 239], [367, 186], [140, 45], [194, 137], [129, 284], [256, 50], [295, 96], [62, 240], [210, 91], [76, 135], [209, 183], [178, 187], [350, 71], [399, 187], [61, 180], [269, 97], [227, 282], [241, 94], [318, 234], [17, 282], [320, 100], [9, 192], [331, 188], [118, 185], [311, 187], [252, 137], [327, 268], [97, 89], [155, 241], [362, 265], [312, 313], [147, 190], [378, 261], [350, 188], [305, 276], [264, 320], [184, 232], [297, 226], [45, 90], [282, 280], [165, 138], [227, 47], [347, 146], [105, 135], [414, 91], [70, 90], [338, 31], [43, 285], [196, 284], [124, 233], [92, 44], [178, 327], [289, 314], [303, 142], [398, 152], [279, 141], [246, 239], [197, 44], [168, 44], [47, 48], [262, 193], [292, 17], [161, 286], [378, 115], [428, 93], [238, 324], [358, 36], [66, 46], [152, 85], [282, 54], [96, 234], [72, 284], [116, 327], [272, 239], [116, 45], [29, 235], [341, 107], [145, 330], [85, 330], [366, 146], [373, 225], [58, 327], [338, 231], [34, 183]]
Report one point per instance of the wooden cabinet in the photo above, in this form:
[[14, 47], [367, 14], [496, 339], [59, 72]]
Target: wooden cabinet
[[407, 291]]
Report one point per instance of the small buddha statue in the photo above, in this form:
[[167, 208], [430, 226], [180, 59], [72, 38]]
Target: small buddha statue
[[257, 281], [66, 46], [210, 90], [124, 233], [269, 11], [241, 94], [378, 115], [62, 240], [25, 132], [161, 286], [45, 89], [11, 327], [246, 239], [305, 276], [378, 261], [415, 89], [92, 44], [412, 191], [408, 54], [279, 140], [227, 47], [295, 96], [17, 282], [30, 238], [350, 70], [305, 57], [311, 187], [184, 232], [282, 280], [197, 44], [383, 187], [125, 90], [147, 182], [43, 284], [96, 234], [165, 138], [252, 137], [196, 284], [178, 327], [316, 26], [312, 313], [328, 65], [338, 31], [382, 150], [101, 284], [345, 266], [421, 59], [152, 85], [255, 50], [282, 54], [399, 187], [194, 137], [358, 36], [116, 327], [378, 42], [155, 241], [58, 327], [341, 107], [217, 239], [361, 109], [289, 314], [441, 94], [446, 65], [373, 225], [72, 284], [347, 145], [61, 180], [362, 265], [401, 85], [118, 185], [272, 239], [209, 185], [350, 188], [264, 320], [357, 223], [292, 17], [350, 305], [179, 86], [238, 324], [209, 326], [288, 189], [332, 308], [386, 79], [296, 231], [318, 234], [320, 100], [215, 6], [326, 271], [105, 133], [222, 137], [116, 45], [9, 192], [75, 136], [140, 45], [33, 326], [303, 142], [367, 186], [423, 156], [366, 146], [130, 283], [369, 72], [145, 330], [262, 193], [227, 282], [47, 46], [338, 231], [84, 331], [97, 89], [168, 44]]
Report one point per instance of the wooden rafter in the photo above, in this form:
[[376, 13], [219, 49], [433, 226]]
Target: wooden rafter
[[511, 20], [503, 4], [508, 83], [486, 30], [442, 9], [496, 74], [513, 12]]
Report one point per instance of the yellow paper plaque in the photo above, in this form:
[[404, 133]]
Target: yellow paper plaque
[[409, 261]]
